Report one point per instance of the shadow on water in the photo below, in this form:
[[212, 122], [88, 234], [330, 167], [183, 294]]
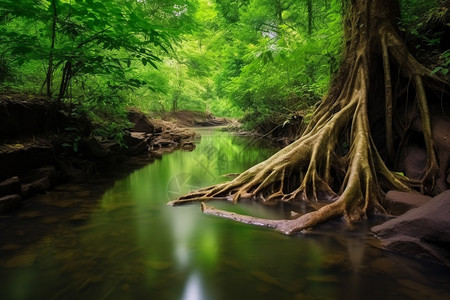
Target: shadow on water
[[118, 240]]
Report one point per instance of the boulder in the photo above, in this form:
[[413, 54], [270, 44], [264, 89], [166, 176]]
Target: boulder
[[134, 138], [141, 122], [422, 232], [415, 158], [397, 202]]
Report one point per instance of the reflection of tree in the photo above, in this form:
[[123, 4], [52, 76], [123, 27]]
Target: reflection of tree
[[222, 162]]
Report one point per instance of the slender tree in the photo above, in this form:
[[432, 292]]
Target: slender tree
[[49, 77], [343, 163]]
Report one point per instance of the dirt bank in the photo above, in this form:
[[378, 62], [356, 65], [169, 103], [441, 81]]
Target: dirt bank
[[41, 145], [187, 118]]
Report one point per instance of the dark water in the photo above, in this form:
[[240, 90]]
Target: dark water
[[119, 240]]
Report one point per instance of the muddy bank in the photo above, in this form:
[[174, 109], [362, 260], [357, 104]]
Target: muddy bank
[[42, 146], [187, 118]]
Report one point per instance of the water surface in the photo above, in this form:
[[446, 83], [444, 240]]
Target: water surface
[[119, 240]]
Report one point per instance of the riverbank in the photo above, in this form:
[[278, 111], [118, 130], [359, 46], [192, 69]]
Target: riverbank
[[43, 145]]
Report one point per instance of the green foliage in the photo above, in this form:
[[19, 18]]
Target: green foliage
[[6, 70], [229, 57], [88, 37], [274, 63], [425, 26], [445, 64], [88, 51], [223, 56]]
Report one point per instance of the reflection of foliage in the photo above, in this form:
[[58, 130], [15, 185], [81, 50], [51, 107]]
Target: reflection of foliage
[[222, 161]]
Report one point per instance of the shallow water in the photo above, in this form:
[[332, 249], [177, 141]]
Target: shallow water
[[117, 239]]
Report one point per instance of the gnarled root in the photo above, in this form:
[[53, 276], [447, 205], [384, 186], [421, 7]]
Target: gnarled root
[[313, 156], [317, 168]]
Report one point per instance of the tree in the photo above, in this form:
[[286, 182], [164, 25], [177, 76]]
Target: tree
[[90, 37], [343, 163]]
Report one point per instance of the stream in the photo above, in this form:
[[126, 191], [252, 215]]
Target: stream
[[115, 238]]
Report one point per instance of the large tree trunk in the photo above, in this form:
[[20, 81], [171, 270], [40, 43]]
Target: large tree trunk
[[344, 162]]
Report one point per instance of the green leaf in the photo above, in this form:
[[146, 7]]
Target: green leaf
[[436, 70], [153, 64], [399, 173]]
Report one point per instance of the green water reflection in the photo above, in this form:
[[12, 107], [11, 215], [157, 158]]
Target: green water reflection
[[96, 241]]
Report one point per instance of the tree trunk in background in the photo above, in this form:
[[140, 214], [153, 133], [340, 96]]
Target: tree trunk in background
[[310, 16], [49, 77]]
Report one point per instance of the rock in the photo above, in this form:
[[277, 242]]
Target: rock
[[179, 134], [9, 203], [415, 161], [422, 232], [158, 129], [20, 160], [38, 180], [141, 122], [161, 142], [186, 118], [92, 149], [110, 146], [211, 121], [10, 186], [188, 146], [21, 115], [136, 149], [141, 136], [134, 138], [398, 203], [43, 172], [35, 187], [71, 173], [441, 137]]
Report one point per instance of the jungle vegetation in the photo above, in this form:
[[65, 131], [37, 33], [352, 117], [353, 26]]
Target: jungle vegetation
[[352, 68]]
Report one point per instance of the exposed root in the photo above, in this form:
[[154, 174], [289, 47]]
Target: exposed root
[[389, 99], [351, 182]]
